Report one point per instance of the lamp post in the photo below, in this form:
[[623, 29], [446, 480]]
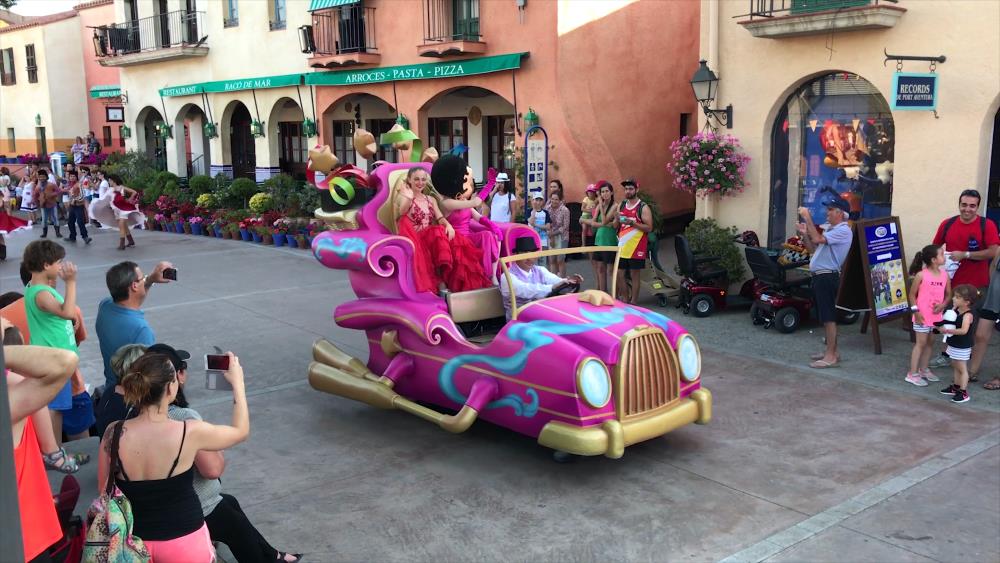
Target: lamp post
[[706, 87]]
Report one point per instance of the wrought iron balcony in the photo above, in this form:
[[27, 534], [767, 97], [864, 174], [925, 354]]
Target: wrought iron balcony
[[344, 36], [789, 18], [167, 36], [451, 27]]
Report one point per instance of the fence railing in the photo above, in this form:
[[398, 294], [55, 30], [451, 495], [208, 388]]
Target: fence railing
[[451, 20], [162, 31], [772, 8], [347, 29]]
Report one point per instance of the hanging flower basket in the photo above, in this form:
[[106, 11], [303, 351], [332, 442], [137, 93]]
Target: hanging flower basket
[[709, 163]]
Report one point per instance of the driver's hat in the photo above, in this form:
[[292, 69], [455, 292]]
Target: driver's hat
[[525, 244]]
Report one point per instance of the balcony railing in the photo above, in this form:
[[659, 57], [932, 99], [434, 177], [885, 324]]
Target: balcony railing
[[773, 8], [451, 20], [344, 30], [164, 31]]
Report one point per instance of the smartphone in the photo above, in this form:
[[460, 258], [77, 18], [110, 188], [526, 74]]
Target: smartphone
[[170, 274], [215, 366]]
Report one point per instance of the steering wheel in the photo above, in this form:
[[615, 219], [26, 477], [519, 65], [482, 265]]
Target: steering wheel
[[571, 287]]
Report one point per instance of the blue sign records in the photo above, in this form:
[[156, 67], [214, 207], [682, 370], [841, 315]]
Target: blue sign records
[[885, 262], [914, 91]]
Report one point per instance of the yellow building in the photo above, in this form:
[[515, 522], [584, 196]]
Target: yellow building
[[43, 97], [812, 95]]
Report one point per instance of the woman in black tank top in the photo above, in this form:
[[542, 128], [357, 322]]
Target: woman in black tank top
[[166, 511]]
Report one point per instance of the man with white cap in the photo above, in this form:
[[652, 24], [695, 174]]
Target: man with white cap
[[500, 200]]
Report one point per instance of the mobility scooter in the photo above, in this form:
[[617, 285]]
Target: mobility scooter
[[788, 298], [704, 287]]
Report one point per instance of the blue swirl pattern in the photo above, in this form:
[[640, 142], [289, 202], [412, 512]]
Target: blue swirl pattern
[[346, 247], [535, 335]]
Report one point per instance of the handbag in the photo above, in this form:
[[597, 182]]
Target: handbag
[[110, 521]]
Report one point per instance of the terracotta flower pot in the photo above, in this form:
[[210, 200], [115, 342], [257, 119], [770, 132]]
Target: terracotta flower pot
[[266, 239], [227, 235], [187, 228]]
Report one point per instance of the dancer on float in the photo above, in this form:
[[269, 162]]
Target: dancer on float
[[436, 264], [117, 206], [453, 180]]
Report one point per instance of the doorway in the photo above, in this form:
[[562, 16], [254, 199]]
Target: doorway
[[242, 144], [993, 182]]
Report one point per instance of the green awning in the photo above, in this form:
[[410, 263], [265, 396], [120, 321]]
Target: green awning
[[422, 71], [233, 85], [316, 5], [111, 91]]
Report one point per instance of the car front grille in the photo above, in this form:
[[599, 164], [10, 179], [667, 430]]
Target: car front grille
[[646, 377]]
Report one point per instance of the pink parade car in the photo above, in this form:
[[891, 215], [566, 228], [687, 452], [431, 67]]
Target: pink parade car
[[581, 372]]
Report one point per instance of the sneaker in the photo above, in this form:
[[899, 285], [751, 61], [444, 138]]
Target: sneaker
[[940, 361], [927, 374], [949, 390], [915, 379], [88, 240], [70, 239], [961, 396]]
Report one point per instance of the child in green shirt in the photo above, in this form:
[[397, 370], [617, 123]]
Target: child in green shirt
[[50, 316]]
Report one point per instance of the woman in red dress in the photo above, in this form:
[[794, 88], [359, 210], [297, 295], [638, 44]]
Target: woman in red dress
[[118, 207], [8, 223], [421, 220]]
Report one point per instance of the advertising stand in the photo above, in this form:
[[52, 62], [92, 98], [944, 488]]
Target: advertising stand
[[536, 158], [875, 276]]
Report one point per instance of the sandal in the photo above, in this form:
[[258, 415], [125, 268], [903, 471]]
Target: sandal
[[823, 364], [60, 461], [973, 378], [820, 356], [282, 555], [993, 385]]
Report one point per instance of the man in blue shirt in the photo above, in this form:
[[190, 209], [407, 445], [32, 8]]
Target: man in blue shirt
[[120, 319], [829, 249]]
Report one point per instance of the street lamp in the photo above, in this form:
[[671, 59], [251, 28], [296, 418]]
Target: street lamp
[[706, 87]]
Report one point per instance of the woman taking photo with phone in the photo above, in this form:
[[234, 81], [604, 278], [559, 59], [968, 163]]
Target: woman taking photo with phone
[[151, 459], [118, 207]]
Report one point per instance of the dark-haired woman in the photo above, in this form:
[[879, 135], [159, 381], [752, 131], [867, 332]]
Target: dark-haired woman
[[153, 463], [604, 233], [118, 207]]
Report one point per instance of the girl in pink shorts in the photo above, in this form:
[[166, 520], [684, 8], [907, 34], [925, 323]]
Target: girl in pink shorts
[[930, 292]]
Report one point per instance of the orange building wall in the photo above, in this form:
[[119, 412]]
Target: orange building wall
[[97, 75], [608, 93]]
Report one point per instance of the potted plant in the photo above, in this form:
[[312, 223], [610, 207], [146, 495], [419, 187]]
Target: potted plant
[[708, 163], [278, 232], [245, 231], [265, 235], [231, 231], [302, 242], [257, 231], [195, 224], [158, 221]]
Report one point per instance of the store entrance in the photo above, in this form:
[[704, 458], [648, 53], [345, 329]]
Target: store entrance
[[242, 143], [993, 183]]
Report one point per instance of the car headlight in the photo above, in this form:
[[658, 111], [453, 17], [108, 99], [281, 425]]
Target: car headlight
[[594, 383], [689, 357]]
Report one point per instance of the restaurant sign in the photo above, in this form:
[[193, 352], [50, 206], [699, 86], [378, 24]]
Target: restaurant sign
[[233, 85], [423, 71], [914, 91]]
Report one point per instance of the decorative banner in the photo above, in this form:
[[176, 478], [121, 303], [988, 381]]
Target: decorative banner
[[233, 85], [885, 263], [423, 71], [914, 91]]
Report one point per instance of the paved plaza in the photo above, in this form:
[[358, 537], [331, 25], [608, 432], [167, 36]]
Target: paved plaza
[[847, 464]]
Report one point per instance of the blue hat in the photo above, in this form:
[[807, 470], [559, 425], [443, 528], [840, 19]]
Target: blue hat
[[839, 203]]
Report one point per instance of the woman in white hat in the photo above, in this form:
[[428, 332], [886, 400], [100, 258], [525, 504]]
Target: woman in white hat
[[501, 200]]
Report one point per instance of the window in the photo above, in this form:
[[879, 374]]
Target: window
[[293, 149], [377, 127], [343, 141], [277, 9], [7, 67], [11, 142], [121, 136], [499, 136], [29, 56], [232, 14], [446, 133], [834, 137], [107, 136], [685, 124]]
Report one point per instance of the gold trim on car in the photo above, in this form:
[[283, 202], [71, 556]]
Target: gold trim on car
[[647, 374]]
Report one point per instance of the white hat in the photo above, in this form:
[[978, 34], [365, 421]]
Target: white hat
[[502, 177]]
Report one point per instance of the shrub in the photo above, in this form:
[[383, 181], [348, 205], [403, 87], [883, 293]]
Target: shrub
[[207, 201], [135, 168], [709, 238], [240, 191], [200, 184], [261, 202]]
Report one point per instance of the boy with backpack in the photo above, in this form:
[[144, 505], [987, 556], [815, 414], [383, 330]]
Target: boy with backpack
[[634, 223]]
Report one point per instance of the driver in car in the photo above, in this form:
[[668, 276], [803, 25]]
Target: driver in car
[[532, 282]]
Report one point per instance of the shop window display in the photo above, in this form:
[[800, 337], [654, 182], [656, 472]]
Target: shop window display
[[834, 137]]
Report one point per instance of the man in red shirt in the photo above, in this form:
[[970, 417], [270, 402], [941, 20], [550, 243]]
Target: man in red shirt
[[972, 241]]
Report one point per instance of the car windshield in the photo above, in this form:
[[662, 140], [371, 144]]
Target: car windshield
[[578, 262]]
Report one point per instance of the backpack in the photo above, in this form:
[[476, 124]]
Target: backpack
[[110, 521], [982, 230]]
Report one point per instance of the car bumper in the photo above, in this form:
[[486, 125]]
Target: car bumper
[[611, 437]]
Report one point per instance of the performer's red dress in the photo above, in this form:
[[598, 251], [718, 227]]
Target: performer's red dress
[[10, 224], [456, 262]]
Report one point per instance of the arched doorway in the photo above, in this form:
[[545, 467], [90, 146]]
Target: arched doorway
[[833, 137], [242, 149], [192, 145], [993, 183], [476, 122], [147, 127], [286, 139], [364, 110]]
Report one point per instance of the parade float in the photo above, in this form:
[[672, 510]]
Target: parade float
[[581, 372]]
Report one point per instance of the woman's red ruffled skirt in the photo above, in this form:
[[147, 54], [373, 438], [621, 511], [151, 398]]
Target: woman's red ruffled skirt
[[458, 263]]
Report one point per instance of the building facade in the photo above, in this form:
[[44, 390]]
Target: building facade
[[462, 72], [812, 91]]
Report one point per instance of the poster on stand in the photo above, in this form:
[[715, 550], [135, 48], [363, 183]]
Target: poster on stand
[[535, 164], [886, 268]]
